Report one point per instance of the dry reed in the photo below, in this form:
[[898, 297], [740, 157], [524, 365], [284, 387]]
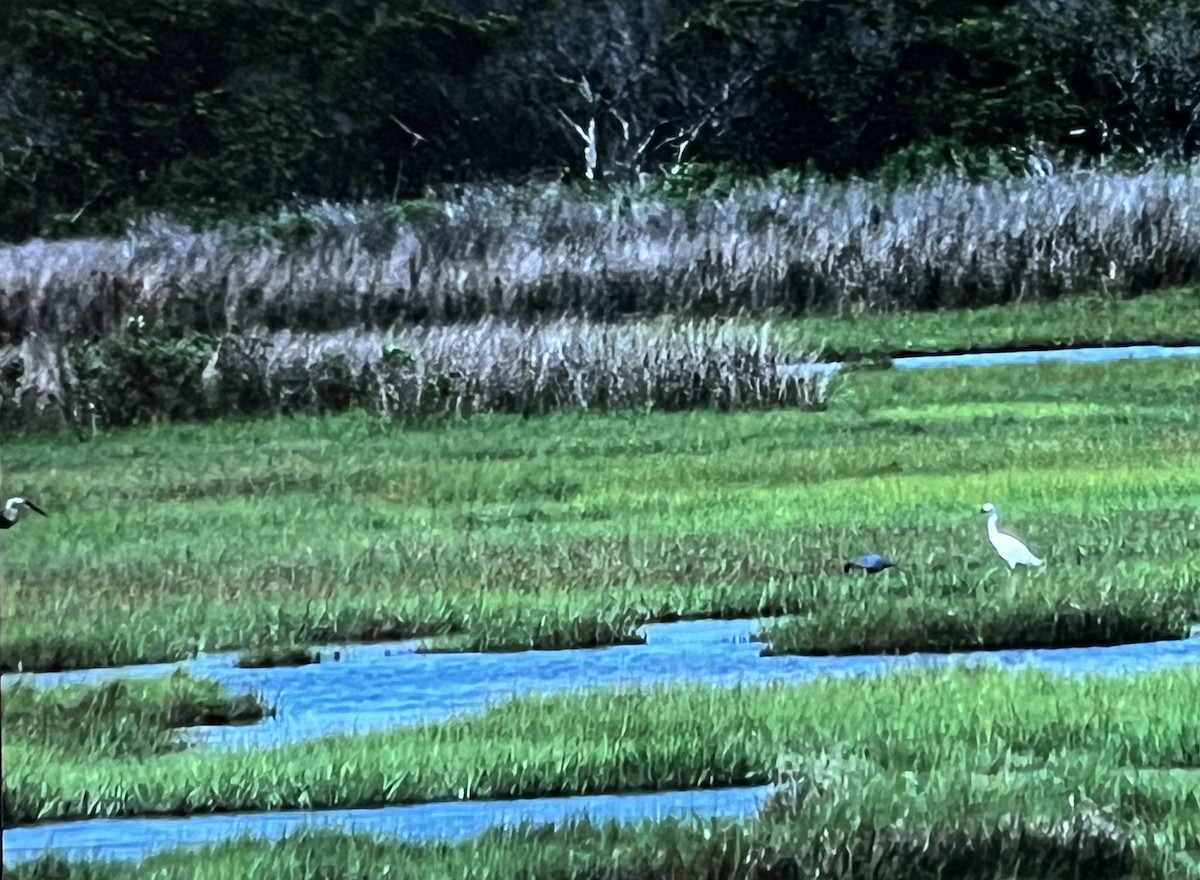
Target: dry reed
[[490, 365], [539, 253]]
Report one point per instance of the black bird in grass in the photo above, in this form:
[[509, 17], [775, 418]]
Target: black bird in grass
[[871, 563], [14, 508]]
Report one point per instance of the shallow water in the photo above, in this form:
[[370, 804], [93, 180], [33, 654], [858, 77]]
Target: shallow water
[[1059, 356], [1098, 355]]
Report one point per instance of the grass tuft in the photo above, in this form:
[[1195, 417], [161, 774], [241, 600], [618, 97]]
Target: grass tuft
[[284, 655]]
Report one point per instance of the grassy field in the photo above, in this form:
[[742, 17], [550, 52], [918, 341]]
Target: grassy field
[[573, 528], [1076, 616]]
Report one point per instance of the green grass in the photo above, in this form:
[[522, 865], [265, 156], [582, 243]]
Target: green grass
[[1031, 619], [1170, 317], [281, 655], [898, 829], [119, 720], [544, 633], [280, 533], [1089, 730]]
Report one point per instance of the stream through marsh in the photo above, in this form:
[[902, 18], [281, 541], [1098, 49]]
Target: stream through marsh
[[374, 687], [379, 686]]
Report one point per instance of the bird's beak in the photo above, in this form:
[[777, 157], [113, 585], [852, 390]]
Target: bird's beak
[[35, 508]]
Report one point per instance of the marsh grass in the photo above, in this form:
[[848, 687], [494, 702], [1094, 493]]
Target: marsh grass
[[239, 535], [538, 252], [897, 825], [121, 719], [1033, 620], [510, 632], [282, 655], [1089, 731], [929, 845]]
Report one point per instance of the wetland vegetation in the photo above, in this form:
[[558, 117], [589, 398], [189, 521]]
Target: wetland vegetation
[[897, 835], [120, 719], [994, 726], [497, 532], [246, 534]]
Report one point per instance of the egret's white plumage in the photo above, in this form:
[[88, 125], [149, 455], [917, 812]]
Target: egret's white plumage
[[13, 510], [1011, 548]]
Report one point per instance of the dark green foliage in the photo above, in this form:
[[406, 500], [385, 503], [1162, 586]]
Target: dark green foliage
[[147, 372], [213, 108], [223, 105]]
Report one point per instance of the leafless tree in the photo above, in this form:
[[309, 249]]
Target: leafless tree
[[631, 101]]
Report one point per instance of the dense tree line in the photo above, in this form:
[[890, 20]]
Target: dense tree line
[[213, 107]]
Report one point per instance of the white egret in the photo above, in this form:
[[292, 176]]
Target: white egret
[[1011, 548], [871, 563], [14, 508]]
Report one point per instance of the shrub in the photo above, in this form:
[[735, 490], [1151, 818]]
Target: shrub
[[148, 371]]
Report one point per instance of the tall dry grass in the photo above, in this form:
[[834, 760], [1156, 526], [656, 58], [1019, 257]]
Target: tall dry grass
[[486, 366], [538, 253]]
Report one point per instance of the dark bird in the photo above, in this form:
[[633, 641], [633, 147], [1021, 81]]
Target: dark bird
[[871, 563], [14, 509]]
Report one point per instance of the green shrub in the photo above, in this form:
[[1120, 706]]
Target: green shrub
[[149, 371]]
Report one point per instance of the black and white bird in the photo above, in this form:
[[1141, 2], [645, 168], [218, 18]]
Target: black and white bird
[[871, 563], [14, 509], [1011, 548]]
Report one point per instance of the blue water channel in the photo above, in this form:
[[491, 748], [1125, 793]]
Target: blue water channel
[[1103, 355], [1061, 356], [373, 687]]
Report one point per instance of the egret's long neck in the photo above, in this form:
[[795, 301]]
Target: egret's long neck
[[11, 514], [993, 525]]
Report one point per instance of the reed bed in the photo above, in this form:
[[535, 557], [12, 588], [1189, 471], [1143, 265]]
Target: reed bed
[[1087, 730], [487, 366], [507, 367], [245, 535], [538, 252]]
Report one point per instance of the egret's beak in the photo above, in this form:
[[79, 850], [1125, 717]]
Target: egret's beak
[[35, 508]]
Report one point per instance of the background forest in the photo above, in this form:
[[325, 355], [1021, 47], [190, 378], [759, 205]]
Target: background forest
[[207, 109]]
